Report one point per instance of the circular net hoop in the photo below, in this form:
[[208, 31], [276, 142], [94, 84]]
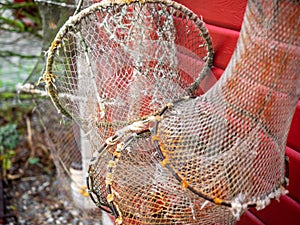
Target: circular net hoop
[[115, 63], [139, 190]]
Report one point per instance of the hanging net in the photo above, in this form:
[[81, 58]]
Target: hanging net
[[228, 145], [60, 134], [133, 75]]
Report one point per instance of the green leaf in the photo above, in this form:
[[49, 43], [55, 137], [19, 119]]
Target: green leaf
[[6, 164], [11, 153], [33, 160], [9, 137]]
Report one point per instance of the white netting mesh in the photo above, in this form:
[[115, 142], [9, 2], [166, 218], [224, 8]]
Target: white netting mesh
[[229, 144], [116, 50], [120, 69]]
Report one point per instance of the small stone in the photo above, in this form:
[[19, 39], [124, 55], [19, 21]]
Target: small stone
[[75, 221], [48, 214], [74, 212], [50, 220]]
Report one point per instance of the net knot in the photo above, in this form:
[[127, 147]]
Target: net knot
[[165, 161], [110, 198], [111, 141], [184, 184], [83, 191], [218, 201]]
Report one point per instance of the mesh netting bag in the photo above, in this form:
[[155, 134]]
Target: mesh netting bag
[[228, 145], [128, 72]]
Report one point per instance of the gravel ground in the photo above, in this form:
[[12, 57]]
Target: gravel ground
[[36, 199], [37, 202]]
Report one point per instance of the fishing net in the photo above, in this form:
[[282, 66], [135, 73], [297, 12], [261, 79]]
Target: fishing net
[[63, 138], [134, 59], [128, 73], [228, 145]]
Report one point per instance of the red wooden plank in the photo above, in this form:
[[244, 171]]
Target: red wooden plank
[[249, 218], [217, 72], [285, 212], [224, 43], [294, 177], [294, 134], [223, 13]]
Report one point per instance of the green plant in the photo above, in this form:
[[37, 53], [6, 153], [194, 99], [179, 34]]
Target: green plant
[[9, 140], [20, 17]]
